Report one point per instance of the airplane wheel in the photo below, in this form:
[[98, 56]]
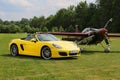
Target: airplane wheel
[[46, 53], [107, 50], [81, 49]]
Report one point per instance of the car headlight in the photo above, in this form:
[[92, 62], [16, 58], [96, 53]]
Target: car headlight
[[57, 46]]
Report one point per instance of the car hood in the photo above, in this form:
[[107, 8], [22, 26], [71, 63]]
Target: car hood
[[65, 44]]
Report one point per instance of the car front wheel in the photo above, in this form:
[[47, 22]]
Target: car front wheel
[[14, 50], [46, 53]]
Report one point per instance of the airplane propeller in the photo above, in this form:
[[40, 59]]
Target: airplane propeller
[[110, 20], [106, 36]]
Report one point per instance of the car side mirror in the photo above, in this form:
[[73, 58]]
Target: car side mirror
[[33, 40]]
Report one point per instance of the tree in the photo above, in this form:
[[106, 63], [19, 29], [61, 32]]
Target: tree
[[109, 9], [93, 16], [34, 22], [1, 22], [38, 22], [70, 29], [50, 22], [61, 29], [55, 29], [82, 15], [45, 29], [27, 29], [33, 30], [12, 28], [64, 17], [6, 22], [24, 22]]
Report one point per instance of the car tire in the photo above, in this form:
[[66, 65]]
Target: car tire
[[14, 50], [46, 53]]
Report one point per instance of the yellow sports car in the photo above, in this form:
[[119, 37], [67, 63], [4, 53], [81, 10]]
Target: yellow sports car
[[46, 46]]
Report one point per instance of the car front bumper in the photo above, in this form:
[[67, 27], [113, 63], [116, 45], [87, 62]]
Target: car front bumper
[[65, 53]]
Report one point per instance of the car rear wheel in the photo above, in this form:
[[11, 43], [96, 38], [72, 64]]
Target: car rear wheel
[[14, 50], [46, 53]]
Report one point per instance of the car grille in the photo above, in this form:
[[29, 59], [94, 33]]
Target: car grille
[[71, 53], [63, 53]]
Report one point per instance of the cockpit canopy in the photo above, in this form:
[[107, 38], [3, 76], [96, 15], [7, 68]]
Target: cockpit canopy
[[88, 30]]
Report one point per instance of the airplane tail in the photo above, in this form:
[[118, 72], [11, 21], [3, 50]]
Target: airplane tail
[[76, 28]]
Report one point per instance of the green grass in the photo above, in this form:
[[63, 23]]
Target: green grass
[[93, 64]]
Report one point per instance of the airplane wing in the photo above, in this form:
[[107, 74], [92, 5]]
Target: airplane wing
[[77, 34], [67, 33], [113, 35]]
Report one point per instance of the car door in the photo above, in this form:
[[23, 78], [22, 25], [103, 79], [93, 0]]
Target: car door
[[30, 46]]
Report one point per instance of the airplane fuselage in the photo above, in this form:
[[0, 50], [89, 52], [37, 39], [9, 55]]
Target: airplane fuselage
[[95, 36]]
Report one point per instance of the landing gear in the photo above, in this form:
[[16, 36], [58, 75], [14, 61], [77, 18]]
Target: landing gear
[[86, 42], [81, 49], [107, 50]]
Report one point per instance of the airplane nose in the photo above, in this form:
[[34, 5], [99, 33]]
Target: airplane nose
[[103, 31]]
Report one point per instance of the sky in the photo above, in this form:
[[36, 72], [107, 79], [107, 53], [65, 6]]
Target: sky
[[18, 9]]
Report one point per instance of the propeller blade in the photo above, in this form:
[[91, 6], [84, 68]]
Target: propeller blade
[[110, 20]]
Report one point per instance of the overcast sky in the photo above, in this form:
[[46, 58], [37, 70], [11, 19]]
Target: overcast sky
[[17, 9]]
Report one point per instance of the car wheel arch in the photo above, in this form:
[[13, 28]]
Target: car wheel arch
[[16, 46], [43, 48], [13, 44]]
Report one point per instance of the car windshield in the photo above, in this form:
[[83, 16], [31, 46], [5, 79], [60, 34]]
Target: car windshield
[[47, 37]]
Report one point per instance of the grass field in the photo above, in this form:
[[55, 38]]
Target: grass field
[[93, 64]]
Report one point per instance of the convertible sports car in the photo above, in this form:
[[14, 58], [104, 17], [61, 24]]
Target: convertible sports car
[[46, 46]]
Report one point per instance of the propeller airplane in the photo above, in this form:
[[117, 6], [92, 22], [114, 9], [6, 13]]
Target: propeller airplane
[[89, 36]]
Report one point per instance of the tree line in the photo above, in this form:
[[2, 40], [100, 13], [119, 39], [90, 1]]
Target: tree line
[[84, 15]]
